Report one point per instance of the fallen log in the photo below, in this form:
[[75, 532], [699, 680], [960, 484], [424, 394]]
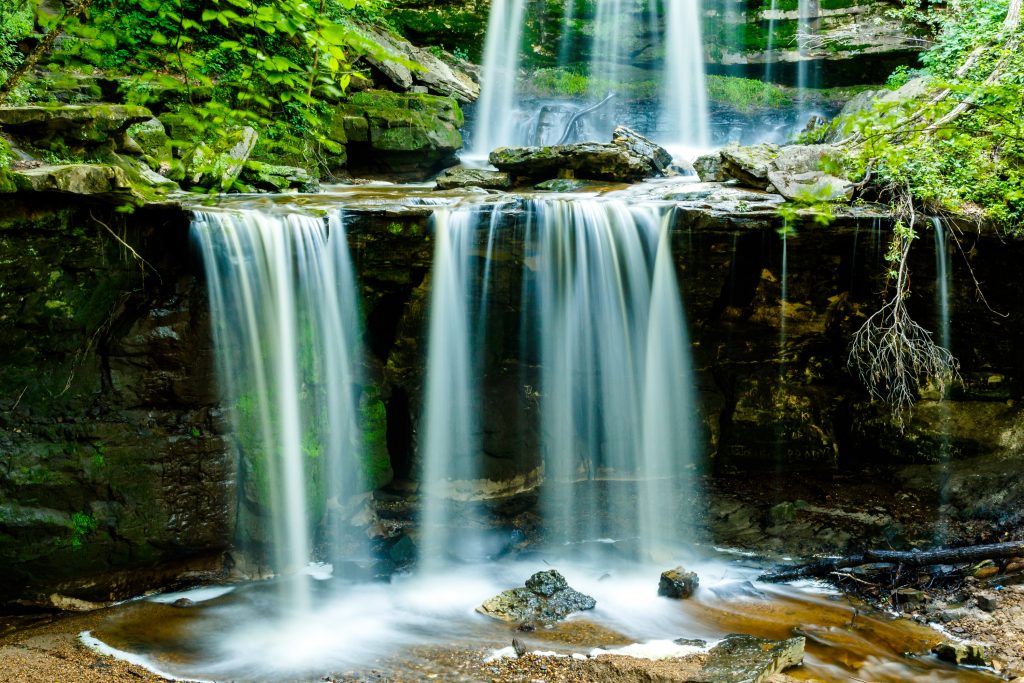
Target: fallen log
[[911, 558]]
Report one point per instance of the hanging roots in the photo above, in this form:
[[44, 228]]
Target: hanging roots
[[894, 357]]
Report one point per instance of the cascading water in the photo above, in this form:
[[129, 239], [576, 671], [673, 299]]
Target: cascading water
[[942, 282], [286, 327], [616, 382]]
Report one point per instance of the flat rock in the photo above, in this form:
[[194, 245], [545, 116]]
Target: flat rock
[[629, 157], [81, 179], [458, 177], [545, 599]]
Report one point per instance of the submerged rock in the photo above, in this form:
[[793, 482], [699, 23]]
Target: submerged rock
[[743, 659], [547, 598], [678, 583], [961, 654]]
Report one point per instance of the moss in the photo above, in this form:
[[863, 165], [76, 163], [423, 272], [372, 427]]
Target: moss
[[373, 417]]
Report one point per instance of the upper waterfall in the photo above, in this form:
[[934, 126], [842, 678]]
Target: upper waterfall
[[678, 112]]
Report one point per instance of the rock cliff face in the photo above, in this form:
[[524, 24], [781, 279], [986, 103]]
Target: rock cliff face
[[112, 462], [846, 42], [116, 474]]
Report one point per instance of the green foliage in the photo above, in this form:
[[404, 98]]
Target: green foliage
[[746, 94], [16, 22], [968, 162], [82, 524]]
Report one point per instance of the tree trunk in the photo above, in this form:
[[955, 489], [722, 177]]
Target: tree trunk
[[994, 551]]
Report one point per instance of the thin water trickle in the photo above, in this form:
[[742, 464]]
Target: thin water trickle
[[286, 327], [807, 11], [942, 285]]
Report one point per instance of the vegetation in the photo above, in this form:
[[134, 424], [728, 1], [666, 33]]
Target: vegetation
[[273, 65], [957, 148]]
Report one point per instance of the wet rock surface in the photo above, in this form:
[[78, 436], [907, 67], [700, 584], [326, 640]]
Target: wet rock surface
[[678, 583], [546, 599]]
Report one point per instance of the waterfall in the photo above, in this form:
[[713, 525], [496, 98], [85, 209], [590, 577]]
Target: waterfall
[[616, 385], [451, 450], [286, 327], [495, 114]]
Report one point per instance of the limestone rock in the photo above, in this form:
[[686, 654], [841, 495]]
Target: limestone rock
[[678, 583], [459, 177], [81, 179], [78, 128], [547, 598]]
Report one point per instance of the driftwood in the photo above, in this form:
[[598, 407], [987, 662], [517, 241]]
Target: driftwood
[[822, 568]]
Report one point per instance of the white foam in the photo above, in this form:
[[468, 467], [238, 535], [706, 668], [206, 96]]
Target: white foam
[[321, 571], [102, 648], [195, 594], [652, 649]]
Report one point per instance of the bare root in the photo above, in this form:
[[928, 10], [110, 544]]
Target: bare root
[[894, 357]]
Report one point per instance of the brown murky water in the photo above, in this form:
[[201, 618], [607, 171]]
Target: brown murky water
[[415, 630]]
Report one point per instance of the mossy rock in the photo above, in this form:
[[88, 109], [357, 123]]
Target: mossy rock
[[410, 134]]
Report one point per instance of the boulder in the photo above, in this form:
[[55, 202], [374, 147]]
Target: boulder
[[459, 177], [546, 599], [409, 67], [629, 157], [678, 583], [218, 166], [811, 186], [661, 160], [277, 178], [407, 135], [80, 179], [743, 658], [797, 172]]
